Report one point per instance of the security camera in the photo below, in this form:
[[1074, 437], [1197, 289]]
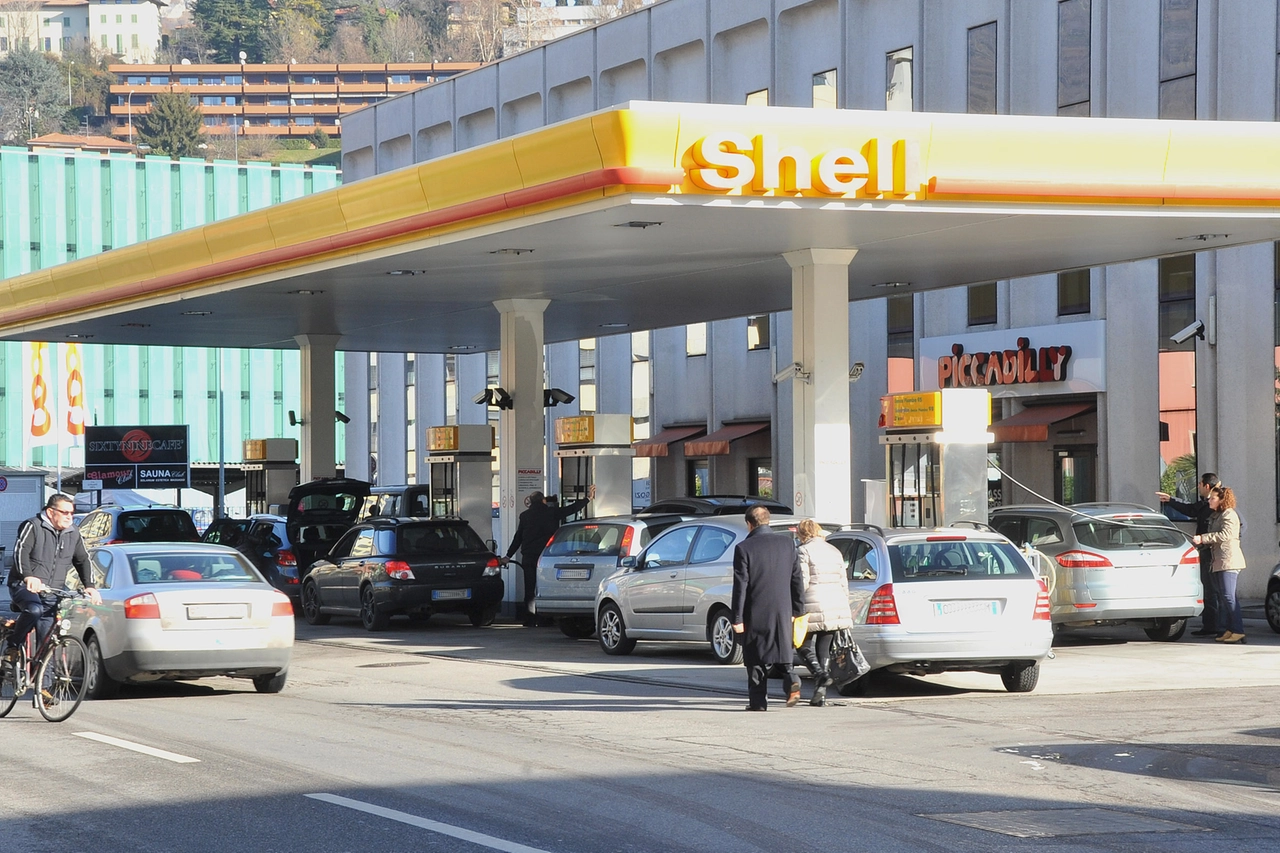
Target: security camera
[[1196, 329], [341, 417], [482, 398], [294, 420], [556, 396], [794, 370]]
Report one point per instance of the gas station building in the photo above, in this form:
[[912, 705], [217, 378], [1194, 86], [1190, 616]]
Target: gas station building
[[782, 210]]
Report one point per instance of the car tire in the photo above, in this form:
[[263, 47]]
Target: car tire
[[576, 627], [270, 683], [372, 617], [1167, 630], [1272, 607], [482, 617], [612, 631], [101, 684], [1020, 678], [310, 603], [724, 642]]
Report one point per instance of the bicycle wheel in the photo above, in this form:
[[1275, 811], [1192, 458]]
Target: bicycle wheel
[[10, 686], [61, 680]]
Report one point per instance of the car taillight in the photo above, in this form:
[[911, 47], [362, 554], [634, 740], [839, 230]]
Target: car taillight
[[399, 570], [1191, 558], [142, 606], [281, 607], [492, 568], [625, 547], [883, 610], [285, 557], [1082, 560], [945, 538], [1042, 610], [114, 542]]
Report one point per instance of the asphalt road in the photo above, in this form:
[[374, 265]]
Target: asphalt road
[[444, 737]]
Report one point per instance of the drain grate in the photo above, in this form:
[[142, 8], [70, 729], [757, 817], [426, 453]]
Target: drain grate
[[1048, 823], [389, 664]]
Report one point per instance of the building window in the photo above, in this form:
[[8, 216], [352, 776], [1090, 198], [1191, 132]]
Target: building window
[[758, 332], [641, 391], [587, 375], [982, 304], [760, 477], [698, 479], [695, 339], [450, 389], [1073, 293], [824, 90], [1178, 59], [897, 80], [1177, 374], [1073, 57], [4, 43], [119, 19], [104, 19], [133, 19], [119, 43], [982, 69], [902, 343], [758, 99]]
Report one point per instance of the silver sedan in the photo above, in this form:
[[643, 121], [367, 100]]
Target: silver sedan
[[180, 611]]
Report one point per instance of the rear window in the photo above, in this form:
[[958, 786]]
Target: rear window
[[152, 526], [430, 540], [191, 568], [1128, 534], [336, 503], [226, 532], [928, 561], [587, 540]]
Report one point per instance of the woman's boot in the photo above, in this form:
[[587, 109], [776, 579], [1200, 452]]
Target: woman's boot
[[810, 658], [819, 697]]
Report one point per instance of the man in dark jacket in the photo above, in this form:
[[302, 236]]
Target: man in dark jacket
[[538, 523], [48, 546], [1199, 511], [768, 592]]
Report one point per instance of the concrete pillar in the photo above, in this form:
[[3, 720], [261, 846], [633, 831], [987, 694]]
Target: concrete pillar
[[318, 405], [820, 383]]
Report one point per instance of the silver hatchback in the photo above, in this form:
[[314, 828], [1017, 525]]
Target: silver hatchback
[[1110, 564]]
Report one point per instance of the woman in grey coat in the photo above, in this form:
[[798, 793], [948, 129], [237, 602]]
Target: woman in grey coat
[[1223, 536], [826, 602]]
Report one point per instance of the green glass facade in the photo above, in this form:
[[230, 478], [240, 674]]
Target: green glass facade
[[62, 205]]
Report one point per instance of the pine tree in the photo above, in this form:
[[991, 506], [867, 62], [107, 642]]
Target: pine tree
[[173, 126]]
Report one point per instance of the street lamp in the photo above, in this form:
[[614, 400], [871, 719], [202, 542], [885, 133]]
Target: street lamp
[[69, 64]]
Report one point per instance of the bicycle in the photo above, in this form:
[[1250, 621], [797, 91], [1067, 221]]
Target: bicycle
[[58, 681]]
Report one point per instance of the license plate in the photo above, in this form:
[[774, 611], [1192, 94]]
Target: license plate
[[217, 611], [966, 608], [573, 574], [449, 594]]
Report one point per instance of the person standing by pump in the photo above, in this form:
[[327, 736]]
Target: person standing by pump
[[537, 525], [1211, 621], [1223, 537], [826, 603]]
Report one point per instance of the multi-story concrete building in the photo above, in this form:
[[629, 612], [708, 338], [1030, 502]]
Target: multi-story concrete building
[[128, 30]]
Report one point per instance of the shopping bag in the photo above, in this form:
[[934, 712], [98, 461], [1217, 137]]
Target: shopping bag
[[799, 629], [847, 663]]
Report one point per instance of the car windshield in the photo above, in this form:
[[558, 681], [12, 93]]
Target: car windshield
[[587, 540], [181, 568], [430, 540], [1128, 534], [921, 560], [152, 526]]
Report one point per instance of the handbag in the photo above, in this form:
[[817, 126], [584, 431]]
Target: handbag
[[799, 629], [847, 663]]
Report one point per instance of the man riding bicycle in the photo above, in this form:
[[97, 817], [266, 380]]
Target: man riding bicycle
[[48, 546]]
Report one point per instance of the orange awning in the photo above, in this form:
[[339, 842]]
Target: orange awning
[[659, 444], [1032, 424], [717, 444]]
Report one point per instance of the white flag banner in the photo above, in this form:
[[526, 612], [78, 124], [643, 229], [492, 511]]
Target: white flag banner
[[39, 396], [73, 390]]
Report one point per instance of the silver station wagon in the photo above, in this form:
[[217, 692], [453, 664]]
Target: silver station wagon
[[1110, 564]]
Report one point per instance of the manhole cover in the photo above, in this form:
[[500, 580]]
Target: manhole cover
[[394, 663], [1047, 823]]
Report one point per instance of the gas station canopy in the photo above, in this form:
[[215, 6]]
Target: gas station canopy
[[661, 214]]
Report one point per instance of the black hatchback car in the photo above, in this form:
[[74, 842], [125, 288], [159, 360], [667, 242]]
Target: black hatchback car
[[410, 566], [111, 524], [714, 505]]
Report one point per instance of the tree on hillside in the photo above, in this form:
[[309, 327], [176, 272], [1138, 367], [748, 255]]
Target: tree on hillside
[[401, 38], [298, 29], [33, 95], [480, 25], [173, 125], [230, 26]]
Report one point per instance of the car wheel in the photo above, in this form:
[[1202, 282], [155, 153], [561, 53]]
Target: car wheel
[[270, 683], [101, 685], [311, 605], [1272, 607], [1167, 630], [613, 632], [1020, 678], [724, 642], [482, 617], [576, 627], [371, 616]]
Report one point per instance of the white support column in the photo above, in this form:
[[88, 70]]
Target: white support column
[[820, 383], [318, 405], [522, 453]]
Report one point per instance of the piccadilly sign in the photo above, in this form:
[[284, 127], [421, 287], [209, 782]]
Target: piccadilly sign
[[727, 161], [1020, 366]]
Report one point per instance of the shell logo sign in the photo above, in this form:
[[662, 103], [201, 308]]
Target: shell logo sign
[[729, 161]]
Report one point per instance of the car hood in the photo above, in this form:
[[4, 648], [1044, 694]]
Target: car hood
[[336, 500]]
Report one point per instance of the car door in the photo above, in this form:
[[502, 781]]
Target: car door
[[654, 598], [863, 568], [352, 568], [709, 575], [324, 573]]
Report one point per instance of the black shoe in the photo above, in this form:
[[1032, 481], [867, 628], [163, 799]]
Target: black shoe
[[1204, 632], [819, 697], [756, 708]]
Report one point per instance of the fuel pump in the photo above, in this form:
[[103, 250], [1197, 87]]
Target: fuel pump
[[595, 450], [936, 456], [270, 472], [460, 463]]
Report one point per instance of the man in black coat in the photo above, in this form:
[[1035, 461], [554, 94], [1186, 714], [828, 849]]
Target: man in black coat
[[768, 592], [1210, 624], [538, 524]]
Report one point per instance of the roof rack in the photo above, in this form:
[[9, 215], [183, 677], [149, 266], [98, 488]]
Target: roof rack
[[858, 525], [1116, 505], [976, 525]]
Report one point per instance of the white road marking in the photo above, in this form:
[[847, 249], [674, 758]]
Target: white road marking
[[137, 747], [432, 825]]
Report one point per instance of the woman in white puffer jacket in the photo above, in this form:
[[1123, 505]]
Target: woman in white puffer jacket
[[826, 602]]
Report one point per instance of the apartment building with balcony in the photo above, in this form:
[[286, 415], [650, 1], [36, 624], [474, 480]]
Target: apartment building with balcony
[[127, 29]]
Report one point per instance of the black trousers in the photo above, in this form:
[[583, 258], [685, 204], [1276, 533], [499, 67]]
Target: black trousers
[[1211, 619], [34, 611], [529, 565], [758, 678]]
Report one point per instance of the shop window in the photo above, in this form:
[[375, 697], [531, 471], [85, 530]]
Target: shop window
[[897, 80], [758, 332], [1178, 59], [982, 304], [824, 90], [760, 477], [1073, 293], [758, 99], [587, 375], [695, 339], [1177, 368], [1075, 475], [450, 389], [902, 343], [1073, 57], [982, 70], [698, 481]]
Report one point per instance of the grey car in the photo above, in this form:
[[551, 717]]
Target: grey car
[[1109, 564]]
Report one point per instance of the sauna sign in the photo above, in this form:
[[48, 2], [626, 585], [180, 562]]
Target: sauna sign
[[1018, 362]]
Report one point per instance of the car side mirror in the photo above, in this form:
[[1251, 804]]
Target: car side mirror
[[628, 563]]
